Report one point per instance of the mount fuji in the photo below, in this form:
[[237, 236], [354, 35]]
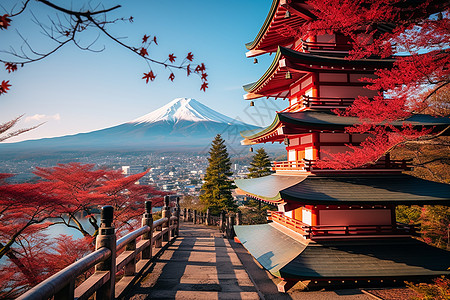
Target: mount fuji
[[183, 124]]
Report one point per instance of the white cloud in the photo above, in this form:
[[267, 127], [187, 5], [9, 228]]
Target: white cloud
[[42, 118]]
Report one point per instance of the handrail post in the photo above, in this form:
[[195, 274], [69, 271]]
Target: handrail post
[[147, 220], [238, 218], [195, 217], [189, 215], [185, 219], [222, 221], [230, 228], [166, 214], [177, 229], [107, 238], [208, 217]]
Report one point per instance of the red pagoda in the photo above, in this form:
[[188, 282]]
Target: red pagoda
[[331, 225]]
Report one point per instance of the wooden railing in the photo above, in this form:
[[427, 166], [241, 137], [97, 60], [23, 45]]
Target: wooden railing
[[308, 46], [318, 102], [331, 231], [288, 165], [310, 165], [386, 164], [224, 221], [135, 251], [290, 223], [328, 102]]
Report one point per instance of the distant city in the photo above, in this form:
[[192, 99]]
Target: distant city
[[181, 173]]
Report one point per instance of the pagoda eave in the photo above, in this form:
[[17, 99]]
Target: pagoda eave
[[253, 53], [277, 29], [289, 66], [346, 189], [251, 96], [294, 257]]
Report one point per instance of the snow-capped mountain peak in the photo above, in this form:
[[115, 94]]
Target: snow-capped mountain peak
[[186, 109]]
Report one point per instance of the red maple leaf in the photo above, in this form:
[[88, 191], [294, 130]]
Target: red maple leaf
[[4, 21], [197, 69], [4, 87], [154, 40], [204, 75], [204, 86], [171, 76], [10, 67], [172, 58], [188, 70], [131, 19], [145, 38], [190, 56], [202, 67], [143, 52], [149, 76]]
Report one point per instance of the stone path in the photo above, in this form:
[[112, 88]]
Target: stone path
[[200, 264]]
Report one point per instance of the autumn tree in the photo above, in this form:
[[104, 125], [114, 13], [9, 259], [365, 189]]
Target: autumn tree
[[438, 290], [417, 35], [260, 165], [65, 194], [84, 188], [216, 191], [25, 210]]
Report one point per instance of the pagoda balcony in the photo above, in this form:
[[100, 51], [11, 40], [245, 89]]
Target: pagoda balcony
[[324, 102], [382, 164], [288, 165], [324, 47], [308, 165], [315, 232], [319, 102]]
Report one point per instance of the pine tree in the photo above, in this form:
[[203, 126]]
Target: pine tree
[[217, 187], [260, 165]]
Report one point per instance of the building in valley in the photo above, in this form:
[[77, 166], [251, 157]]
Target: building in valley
[[334, 226]]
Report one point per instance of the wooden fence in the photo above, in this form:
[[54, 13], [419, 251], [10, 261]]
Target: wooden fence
[[224, 221], [113, 273]]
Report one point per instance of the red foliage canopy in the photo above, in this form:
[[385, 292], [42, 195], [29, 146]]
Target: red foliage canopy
[[420, 42]]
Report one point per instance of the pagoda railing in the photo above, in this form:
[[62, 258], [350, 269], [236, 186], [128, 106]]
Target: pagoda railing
[[322, 46], [288, 165], [330, 231], [381, 164], [310, 165], [318, 102]]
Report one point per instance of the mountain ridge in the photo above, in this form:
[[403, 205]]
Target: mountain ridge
[[182, 123]]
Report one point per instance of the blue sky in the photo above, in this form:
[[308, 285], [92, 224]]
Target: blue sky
[[80, 91]]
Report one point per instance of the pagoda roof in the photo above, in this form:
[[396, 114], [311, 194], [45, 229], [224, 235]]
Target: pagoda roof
[[325, 120], [346, 189], [274, 83], [278, 30], [285, 255]]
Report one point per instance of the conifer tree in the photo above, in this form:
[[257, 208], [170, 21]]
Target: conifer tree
[[217, 187], [260, 165]]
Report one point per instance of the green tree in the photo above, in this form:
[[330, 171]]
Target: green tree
[[217, 187], [260, 165]]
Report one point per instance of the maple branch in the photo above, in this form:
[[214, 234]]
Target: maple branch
[[133, 49], [24, 6], [86, 14]]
